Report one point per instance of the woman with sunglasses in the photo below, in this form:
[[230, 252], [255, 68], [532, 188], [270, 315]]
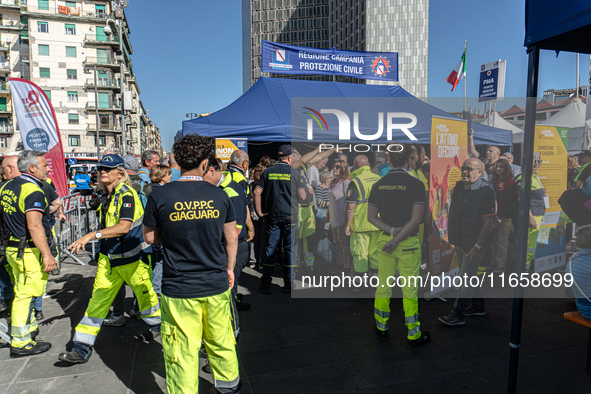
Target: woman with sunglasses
[[120, 217], [336, 210], [537, 207]]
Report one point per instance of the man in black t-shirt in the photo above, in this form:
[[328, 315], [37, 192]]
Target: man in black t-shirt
[[396, 207], [276, 202], [196, 224]]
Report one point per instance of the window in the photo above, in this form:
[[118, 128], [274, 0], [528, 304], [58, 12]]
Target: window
[[43, 50], [74, 140], [42, 27], [72, 97], [70, 29], [72, 74], [100, 9], [43, 5], [73, 118], [101, 141], [71, 4], [48, 94], [3, 142], [104, 121], [44, 72], [70, 51]]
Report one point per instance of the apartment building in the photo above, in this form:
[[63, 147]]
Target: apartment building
[[63, 43], [400, 26]]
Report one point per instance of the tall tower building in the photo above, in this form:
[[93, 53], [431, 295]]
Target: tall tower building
[[400, 26]]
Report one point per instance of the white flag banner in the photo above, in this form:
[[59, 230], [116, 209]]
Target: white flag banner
[[38, 127]]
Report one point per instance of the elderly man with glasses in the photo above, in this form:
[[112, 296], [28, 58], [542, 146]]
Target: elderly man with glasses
[[471, 221]]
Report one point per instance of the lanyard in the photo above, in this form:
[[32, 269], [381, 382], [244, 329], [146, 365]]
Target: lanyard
[[191, 178]]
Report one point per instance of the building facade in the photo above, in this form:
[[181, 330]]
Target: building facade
[[400, 26], [64, 49]]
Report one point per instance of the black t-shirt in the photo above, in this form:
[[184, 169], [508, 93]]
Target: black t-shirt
[[394, 195], [280, 184], [29, 188], [191, 217]]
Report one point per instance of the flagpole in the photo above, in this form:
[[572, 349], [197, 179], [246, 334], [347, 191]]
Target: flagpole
[[466, 65]]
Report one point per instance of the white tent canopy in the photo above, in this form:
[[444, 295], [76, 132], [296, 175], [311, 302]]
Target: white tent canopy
[[573, 117], [501, 123]]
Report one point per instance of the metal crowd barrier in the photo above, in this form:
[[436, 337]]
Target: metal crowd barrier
[[79, 221]]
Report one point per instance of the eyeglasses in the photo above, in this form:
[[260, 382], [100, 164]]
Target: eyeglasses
[[338, 167], [537, 161], [106, 169]]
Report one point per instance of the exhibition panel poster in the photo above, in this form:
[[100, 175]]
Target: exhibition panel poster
[[449, 149], [225, 146], [551, 143]]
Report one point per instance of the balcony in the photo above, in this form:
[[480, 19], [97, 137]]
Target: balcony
[[5, 46], [104, 107], [10, 25], [101, 39], [6, 129], [107, 128], [4, 67], [103, 83], [25, 58], [4, 88], [60, 11], [6, 110], [11, 4], [101, 62]]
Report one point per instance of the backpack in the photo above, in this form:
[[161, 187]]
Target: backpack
[[142, 189]]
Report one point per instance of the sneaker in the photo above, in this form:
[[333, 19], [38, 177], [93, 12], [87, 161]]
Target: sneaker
[[472, 310], [149, 335], [56, 271], [336, 270], [265, 288], [288, 287], [452, 320], [114, 321], [382, 334], [242, 306], [72, 358], [136, 314], [29, 349], [39, 315], [207, 368], [413, 343]]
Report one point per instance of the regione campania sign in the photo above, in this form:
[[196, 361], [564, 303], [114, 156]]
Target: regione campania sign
[[290, 59]]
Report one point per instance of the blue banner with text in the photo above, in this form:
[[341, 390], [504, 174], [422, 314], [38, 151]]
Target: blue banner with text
[[290, 59]]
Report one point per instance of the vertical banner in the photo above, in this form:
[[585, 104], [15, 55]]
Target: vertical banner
[[38, 127], [551, 143], [225, 147], [449, 149]]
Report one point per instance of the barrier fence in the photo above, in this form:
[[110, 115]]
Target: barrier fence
[[80, 220]]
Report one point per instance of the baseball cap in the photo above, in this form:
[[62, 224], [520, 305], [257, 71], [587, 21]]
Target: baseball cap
[[586, 153], [284, 150], [131, 163], [111, 161]]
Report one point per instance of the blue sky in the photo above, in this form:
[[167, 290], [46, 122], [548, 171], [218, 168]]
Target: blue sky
[[188, 56]]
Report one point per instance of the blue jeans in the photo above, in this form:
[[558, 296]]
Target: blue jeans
[[467, 294], [157, 276], [6, 286], [38, 302], [280, 233]]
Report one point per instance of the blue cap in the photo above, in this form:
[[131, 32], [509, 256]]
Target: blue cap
[[112, 161]]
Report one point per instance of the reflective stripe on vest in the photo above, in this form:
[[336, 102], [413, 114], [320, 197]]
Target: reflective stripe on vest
[[364, 182]]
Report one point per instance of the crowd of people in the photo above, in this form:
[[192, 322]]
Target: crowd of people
[[179, 231]]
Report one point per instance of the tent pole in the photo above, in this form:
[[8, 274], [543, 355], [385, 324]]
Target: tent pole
[[525, 194]]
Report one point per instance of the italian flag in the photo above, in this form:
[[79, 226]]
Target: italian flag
[[459, 72]]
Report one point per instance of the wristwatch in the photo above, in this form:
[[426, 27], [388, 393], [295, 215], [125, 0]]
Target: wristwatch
[[478, 247], [98, 235]]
